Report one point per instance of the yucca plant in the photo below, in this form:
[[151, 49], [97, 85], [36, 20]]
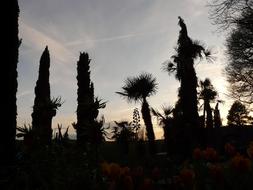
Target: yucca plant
[[26, 132]]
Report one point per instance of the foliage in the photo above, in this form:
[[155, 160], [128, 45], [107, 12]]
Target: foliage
[[239, 50], [59, 137], [44, 108], [208, 94], [216, 117], [85, 98], [99, 132], [88, 105], [238, 115], [24, 131], [123, 133], [237, 18], [226, 13], [138, 89], [187, 51], [166, 120]]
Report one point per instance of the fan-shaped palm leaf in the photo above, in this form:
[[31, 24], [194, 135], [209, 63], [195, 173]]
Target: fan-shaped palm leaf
[[137, 88]]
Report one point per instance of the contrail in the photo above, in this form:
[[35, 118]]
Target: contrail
[[120, 37]]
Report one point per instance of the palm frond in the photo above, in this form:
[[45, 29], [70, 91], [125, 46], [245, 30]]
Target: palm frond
[[137, 88]]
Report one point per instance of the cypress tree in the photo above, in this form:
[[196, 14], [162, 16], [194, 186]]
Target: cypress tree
[[9, 82], [85, 98], [44, 108]]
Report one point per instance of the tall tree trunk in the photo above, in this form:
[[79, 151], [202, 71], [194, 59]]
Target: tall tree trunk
[[149, 126], [9, 82]]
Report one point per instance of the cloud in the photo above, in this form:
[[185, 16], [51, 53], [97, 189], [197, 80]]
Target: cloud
[[24, 93]]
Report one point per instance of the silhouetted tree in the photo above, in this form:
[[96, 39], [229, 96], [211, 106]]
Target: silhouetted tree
[[226, 13], [237, 18], [88, 105], [238, 115], [240, 66], [216, 117], [138, 89], [166, 121], [44, 108], [183, 64], [123, 133], [85, 98], [207, 94], [9, 83]]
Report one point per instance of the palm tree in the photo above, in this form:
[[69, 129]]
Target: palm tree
[[166, 121], [207, 94], [182, 65], [139, 89]]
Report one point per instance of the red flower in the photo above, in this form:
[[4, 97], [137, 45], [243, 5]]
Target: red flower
[[197, 154], [210, 154]]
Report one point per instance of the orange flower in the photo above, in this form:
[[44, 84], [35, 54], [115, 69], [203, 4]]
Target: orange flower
[[197, 154], [240, 164], [229, 149], [210, 154], [187, 176], [216, 172], [105, 168], [125, 171], [114, 170], [250, 150]]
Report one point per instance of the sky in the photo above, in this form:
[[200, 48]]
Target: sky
[[123, 39]]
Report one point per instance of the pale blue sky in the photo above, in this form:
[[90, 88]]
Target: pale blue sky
[[123, 38]]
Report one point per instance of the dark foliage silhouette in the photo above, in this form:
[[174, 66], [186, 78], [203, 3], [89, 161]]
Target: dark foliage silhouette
[[186, 118], [183, 66], [166, 120], [44, 108], [238, 115], [138, 89], [226, 13], [123, 134], [9, 83], [240, 66], [208, 95], [216, 117], [85, 98], [236, 17], [88, 105]]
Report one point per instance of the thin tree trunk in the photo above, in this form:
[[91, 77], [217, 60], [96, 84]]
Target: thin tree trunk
[[149, 126]]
